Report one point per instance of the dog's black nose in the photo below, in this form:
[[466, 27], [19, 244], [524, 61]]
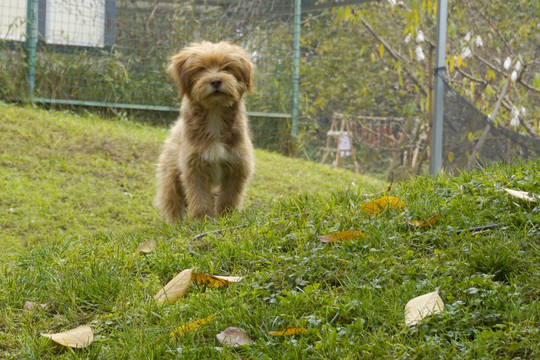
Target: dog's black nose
[[216, 83]]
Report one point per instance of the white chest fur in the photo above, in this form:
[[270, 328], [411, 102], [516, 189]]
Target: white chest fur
[[216, 150]]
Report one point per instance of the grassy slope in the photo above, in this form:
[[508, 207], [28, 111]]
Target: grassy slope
[[66, 175], [349, 296]]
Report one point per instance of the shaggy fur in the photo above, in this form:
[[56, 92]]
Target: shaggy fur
[[208, 158]]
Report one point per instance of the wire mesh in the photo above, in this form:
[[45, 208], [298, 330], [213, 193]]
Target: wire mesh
[[363, 59], [114, 52], [463, 128]]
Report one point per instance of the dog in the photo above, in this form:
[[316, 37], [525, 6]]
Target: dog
[[207, 160]]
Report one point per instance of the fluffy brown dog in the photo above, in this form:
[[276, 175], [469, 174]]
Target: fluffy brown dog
[[208, 158]]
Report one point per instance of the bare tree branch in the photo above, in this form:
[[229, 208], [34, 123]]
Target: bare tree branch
[[397, 56]]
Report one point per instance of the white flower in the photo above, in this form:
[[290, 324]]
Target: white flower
[[478, 41], [514, 112], [419, 53], [467, 37], [466, 53], [507, 63], [523, 111], [420, 36], [515, 116], [392, 2], [518, 66], [408, 38], [514, 121], [513, 77]]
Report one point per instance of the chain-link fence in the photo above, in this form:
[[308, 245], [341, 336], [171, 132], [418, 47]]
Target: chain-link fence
[[113, 53], [472, 139], [368, 60]]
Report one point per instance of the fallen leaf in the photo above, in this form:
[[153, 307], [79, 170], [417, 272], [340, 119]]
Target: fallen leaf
[[175, 289], [288, 331], [192, 326], [423, 306], [79, 337], [520, 194], [146, 247], [233, 337], [345, 235], [28, 305], [376, 206], [424, 223], [214, 280]]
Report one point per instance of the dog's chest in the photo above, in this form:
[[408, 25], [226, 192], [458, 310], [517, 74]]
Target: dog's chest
[[216, 150]]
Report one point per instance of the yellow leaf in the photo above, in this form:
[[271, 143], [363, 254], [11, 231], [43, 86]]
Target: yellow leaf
[[376, 206], [192, 326], [422, 306], [423, 223], [523, 195], [381, 50], [458, 61], [347, 14], [79, 337], [451, 64], [345, 235], [175, 289], [213, 280], [146, 247], [288, 331], [451, 157]]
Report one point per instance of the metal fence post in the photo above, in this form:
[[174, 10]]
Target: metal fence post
[[437, 127], [296, 66], [31, 42]]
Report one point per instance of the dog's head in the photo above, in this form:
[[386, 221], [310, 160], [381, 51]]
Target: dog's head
[[213, 74]]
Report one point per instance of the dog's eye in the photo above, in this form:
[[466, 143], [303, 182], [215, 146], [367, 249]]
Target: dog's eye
[[198, 70]]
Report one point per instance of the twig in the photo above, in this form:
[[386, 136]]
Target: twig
[[479, 228], [219, 231], [494, 28], [501, 72], [397, 56]]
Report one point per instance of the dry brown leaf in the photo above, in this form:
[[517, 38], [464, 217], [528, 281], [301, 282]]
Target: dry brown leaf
[[230, 279], [28, 305], [233, 337], [422, 306], [345, 235], [424, 223], [175, 289], [192, 326], [79, 337], [376, 206], [214, 280], [288, 331], [523, 195], [146, 247]]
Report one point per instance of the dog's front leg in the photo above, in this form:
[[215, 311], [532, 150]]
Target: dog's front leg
[[198, 190], [232, 188]]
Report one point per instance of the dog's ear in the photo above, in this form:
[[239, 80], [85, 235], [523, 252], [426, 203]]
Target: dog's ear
[[179, 73], [247, 68]]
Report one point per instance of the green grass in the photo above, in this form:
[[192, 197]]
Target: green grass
[[65, 175], [349, 296]]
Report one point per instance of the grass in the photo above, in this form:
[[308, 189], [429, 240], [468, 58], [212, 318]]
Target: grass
[[66, 175], [349, 296]]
